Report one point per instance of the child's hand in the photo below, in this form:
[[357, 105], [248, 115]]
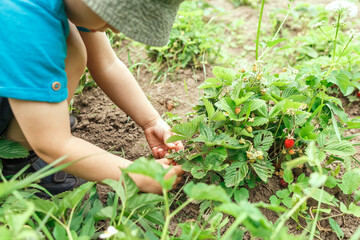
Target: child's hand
[[156, 134], [146, 184], [175, 170]]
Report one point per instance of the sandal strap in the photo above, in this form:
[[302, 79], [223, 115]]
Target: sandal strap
[[60, 177], [38, 164]]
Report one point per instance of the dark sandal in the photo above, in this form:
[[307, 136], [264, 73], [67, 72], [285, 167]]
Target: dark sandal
[[73, 122], [56, 183]]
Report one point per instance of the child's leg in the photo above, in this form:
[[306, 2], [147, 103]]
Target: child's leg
[[75, 64]]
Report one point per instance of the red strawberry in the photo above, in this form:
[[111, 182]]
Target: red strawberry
[[283, 183], [289, 143], [358, 94]]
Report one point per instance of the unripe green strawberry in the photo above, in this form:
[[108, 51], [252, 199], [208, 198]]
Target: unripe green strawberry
[[291, 151], [254, 67], [249, 129]]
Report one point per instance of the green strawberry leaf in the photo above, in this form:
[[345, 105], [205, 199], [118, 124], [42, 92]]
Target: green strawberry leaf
[[202, 191], [10, 149]]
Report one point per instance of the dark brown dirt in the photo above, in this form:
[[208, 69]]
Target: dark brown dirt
[[106, 126]]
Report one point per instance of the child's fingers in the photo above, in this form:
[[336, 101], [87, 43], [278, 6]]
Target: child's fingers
[[178, 170], [165, 161], [179, 146], [161, 153], [158, 152], [178, 180], [155, 152], [170, 145]]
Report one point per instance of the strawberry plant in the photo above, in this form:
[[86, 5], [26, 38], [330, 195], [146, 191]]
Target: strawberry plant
[[252, 121], [332, 42], [231, 145], [260, 122]]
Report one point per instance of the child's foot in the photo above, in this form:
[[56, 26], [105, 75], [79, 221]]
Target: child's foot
[[73, 122], [56, 183]]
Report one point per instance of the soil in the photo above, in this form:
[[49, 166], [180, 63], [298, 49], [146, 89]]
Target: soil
[[105, 125]]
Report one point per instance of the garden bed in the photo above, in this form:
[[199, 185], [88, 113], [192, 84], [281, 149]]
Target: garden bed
[[268, 110], [108, 127]]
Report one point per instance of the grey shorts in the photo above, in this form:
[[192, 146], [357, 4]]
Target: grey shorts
[[5, 114]]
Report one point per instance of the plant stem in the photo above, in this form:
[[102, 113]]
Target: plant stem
[[122, 212], [305, 228], [336, 36], [233, 227], [288, 215], [130, 215], [168, 217], [335, 42], [166, 199], [344, 48], [333, 216], [71, 215], [324, 33], [114, 213], [313, 227], [322, 100], [42, 227], [67, 229], [258, 30], [167, 212], [282, 117], [278, 30]]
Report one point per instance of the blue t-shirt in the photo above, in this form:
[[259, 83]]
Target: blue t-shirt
[[33, 50]]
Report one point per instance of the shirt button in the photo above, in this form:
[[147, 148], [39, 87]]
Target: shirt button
[[56, 86]]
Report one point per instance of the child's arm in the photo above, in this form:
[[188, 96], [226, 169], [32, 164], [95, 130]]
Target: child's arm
[[117, 82], [46, 127]]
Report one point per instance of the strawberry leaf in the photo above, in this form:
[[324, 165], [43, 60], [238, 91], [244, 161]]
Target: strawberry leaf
[[263, 141], [235, 173], [10, 149], [336, 228], [350, 182], [202, 191], [225, 74], [263, 169], [342, 148]]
